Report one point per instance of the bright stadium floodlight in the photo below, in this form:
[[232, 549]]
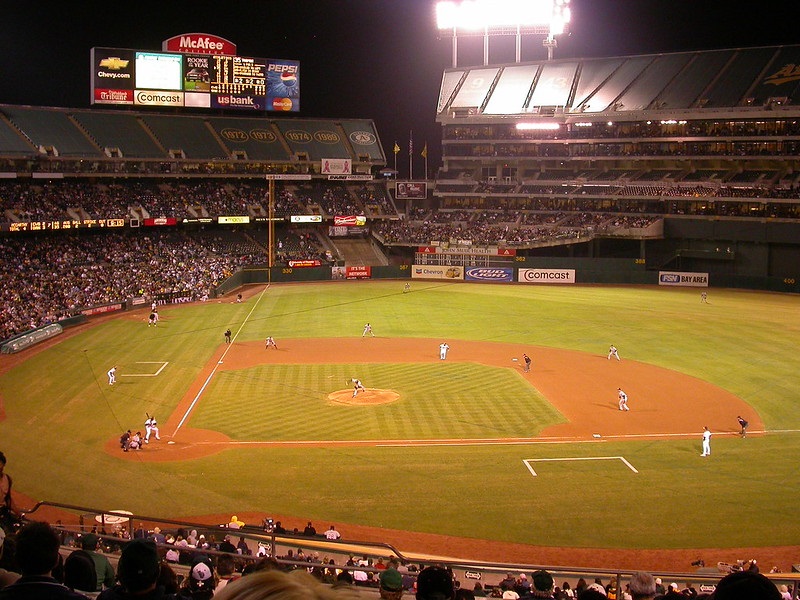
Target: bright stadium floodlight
[[504, 17]]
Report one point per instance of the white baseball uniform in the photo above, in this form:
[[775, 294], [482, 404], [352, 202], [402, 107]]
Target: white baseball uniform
[[151, 427], [706, 442], [612, 351], [623, 400], [443, 348], [112, 375]]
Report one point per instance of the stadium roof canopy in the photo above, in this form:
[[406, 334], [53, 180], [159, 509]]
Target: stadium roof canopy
[[740, 80]]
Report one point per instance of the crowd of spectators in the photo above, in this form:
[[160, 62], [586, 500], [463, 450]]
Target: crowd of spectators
[[41, 562], [43, 200], [46, 278]]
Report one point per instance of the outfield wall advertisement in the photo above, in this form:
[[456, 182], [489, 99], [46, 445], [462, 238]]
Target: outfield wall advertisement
[[489, 274], [436, 272], [683, 279], [547, 275]]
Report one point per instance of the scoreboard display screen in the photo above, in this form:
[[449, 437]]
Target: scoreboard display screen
[[122, 76]]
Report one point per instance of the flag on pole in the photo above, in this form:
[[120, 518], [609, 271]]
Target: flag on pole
[[424, 152], [396, 148]]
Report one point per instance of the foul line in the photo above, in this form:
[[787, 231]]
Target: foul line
[[219, 362], [528, 461], [144, 362]]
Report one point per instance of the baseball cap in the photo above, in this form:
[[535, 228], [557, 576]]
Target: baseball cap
[[138, 566], [201, 574], [597, 588], [434, 583], [542, 581], [391, 580]]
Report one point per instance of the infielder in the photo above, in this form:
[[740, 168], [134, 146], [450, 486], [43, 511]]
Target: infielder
[[612, 351], [112, 375], [743, 424], [623, 399], [528, 361], [357, 386], [367, 330], [153, 319], [443, 348], [270, 342], [706, 442], [151, 428]]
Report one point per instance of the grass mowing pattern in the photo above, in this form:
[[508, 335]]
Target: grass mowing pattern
[[59, 410], [447, 400]]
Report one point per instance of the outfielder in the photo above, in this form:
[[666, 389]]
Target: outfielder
[[623, 399], [612, 351], [151, 427], [357, 386], [112, 375]]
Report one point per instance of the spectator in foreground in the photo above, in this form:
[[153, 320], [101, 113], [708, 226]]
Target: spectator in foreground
[[279, 585], [746, 585], [37, 556], [642, 586], [435, 583], [138, 573], [542, 584], [391, 584], [80, 574], [6, 577], [105, 572]]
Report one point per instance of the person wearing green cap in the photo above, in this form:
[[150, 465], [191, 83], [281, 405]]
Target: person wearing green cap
[[391, 584]]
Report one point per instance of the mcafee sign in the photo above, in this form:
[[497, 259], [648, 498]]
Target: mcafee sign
[[199, 43]]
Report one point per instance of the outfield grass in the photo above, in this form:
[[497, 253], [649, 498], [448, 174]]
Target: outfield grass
[[60, 411]]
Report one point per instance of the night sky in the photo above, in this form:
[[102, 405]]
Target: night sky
[[374, 59]]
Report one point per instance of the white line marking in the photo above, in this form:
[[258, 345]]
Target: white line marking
[[528, 461], [214, 370], [151, 362]]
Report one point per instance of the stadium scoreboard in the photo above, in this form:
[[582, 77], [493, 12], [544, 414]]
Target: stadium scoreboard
[[132, 77]]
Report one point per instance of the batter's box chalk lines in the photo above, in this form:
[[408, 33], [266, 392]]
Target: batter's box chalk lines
[[528, 461]]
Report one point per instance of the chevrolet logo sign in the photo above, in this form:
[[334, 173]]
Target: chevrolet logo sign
[[114, 63]]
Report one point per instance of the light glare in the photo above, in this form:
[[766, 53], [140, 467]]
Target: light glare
[[480, 14]]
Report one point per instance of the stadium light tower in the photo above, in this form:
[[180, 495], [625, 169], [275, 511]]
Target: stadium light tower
[[503, 17]]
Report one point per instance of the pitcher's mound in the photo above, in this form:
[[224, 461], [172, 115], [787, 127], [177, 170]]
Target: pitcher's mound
[[370, 397]]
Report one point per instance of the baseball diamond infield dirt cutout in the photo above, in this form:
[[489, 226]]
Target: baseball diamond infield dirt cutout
[[663, 403]]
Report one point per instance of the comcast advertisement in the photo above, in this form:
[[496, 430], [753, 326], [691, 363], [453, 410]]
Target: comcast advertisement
[[547, 275]]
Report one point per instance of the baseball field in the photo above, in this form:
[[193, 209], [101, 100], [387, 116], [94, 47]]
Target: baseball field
[[470, 456]]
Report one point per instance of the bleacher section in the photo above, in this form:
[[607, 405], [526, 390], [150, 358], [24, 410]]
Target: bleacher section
[[122, 131], [52, 131]]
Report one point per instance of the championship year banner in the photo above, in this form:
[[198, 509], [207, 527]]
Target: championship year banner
[[682, 279], [547, 275]]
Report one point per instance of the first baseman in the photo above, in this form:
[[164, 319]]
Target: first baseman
[[112, 375]]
